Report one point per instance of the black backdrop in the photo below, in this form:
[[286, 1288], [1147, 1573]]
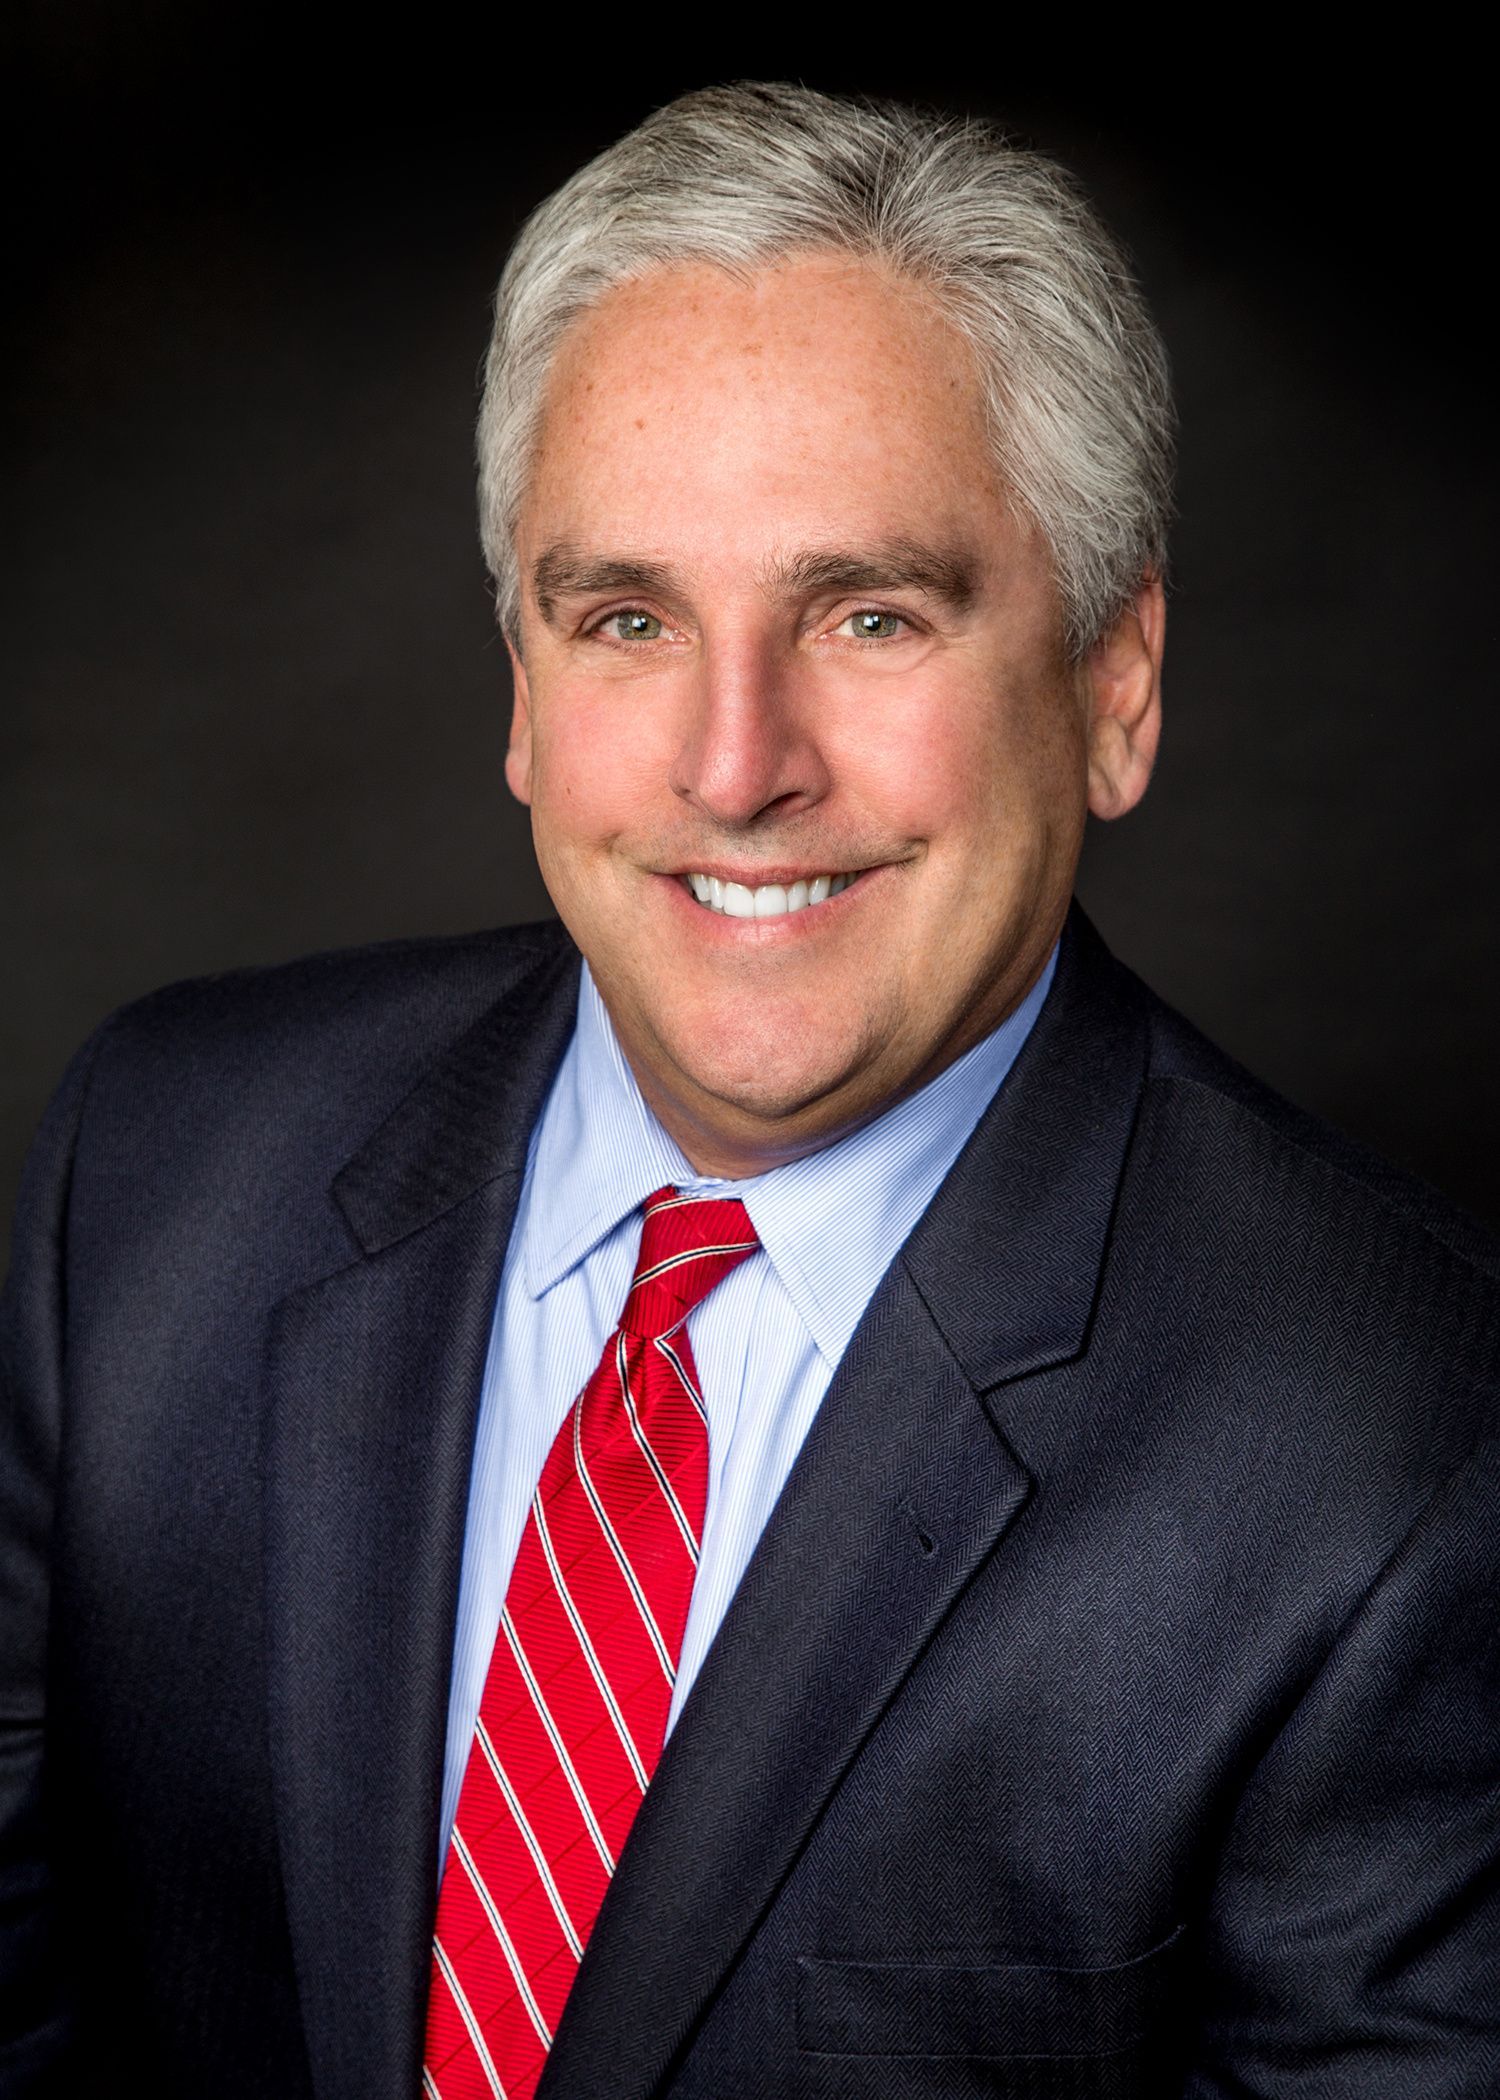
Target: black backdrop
[[254, 704]]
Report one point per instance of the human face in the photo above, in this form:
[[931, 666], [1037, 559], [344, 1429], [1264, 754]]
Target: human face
[[780, 625]]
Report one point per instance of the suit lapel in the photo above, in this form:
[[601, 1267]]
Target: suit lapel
[[1008, 1256], [903, 1488], [373, 1381]]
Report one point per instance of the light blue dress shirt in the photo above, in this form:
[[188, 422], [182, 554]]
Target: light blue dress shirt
[[766, 1341]]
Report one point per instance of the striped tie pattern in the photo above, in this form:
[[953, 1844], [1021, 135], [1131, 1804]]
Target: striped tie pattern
[[575, 1703]]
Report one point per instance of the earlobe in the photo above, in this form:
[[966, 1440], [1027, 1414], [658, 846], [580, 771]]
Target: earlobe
[[518, 752], [1124, 673]]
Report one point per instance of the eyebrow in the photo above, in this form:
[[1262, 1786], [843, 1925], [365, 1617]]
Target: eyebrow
[[941, 572], [950, 574], [563, 572]]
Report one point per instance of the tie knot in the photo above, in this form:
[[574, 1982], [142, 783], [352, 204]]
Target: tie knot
[[688, 1244]]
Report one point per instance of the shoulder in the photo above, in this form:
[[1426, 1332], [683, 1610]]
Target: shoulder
[[1330, 1315], [1292, 1348], [247, 1091], [346, 1023], [1277, 1161], [389, 998]]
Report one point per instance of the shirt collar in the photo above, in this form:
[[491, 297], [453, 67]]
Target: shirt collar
[[598, 1151], [830, 1224]]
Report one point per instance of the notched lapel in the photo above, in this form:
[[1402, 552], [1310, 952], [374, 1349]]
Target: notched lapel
[[470, 1116], [373, 1381], [1008, 1257], [903, 1487]]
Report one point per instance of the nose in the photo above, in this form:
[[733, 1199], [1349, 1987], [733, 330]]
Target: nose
[[748, 753]]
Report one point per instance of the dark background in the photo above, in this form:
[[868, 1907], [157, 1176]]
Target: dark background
[[254, 704]]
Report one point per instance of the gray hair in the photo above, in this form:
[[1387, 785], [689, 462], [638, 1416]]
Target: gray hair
[[1073, 370]]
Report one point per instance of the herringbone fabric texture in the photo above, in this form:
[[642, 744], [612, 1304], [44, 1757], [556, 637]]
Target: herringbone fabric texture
[[579, 1686]]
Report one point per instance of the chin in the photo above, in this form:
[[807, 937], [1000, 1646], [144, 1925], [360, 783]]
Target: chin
[[758, 1071], [774, 1102]]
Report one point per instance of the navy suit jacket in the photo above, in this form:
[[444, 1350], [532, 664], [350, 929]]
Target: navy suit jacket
[[1111, 1708]]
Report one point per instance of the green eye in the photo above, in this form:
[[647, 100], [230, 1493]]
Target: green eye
[[636, 626], [874, 626]]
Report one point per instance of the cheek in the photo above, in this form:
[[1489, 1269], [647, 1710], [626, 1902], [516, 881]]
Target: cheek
[[971, 763], [594, 770]]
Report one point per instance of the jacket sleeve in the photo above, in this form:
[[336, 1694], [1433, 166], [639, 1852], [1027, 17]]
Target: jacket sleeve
[[34, 2024], [1354, 1945]]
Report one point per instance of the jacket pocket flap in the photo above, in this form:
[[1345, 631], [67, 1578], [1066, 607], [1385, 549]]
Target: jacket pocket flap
[[907, 2008]]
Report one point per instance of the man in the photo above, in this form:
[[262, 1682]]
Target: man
[[828, 1500]]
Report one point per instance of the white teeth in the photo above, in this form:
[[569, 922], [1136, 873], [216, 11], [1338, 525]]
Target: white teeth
[[772, 900]]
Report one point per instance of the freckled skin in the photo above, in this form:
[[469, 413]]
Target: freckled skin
[[716, 428]]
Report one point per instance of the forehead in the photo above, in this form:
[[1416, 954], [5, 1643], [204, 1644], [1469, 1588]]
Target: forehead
[[820, 393], [691, 315]]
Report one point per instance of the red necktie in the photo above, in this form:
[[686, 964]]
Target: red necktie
[[575, 1704]]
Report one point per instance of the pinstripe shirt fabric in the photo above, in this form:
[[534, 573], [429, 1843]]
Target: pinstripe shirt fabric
[[767, 1340]]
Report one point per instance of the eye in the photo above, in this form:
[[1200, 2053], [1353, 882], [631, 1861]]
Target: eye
[[871, 626], [634, 625]]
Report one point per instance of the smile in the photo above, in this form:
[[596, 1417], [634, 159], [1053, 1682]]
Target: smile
[[772, 900]]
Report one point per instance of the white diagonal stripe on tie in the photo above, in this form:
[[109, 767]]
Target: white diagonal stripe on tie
[[528, 1838], [507, 1946], [466, 2014], [676, 1261], [559, 1747], [650, 1210], [596, 1668], [637, 1431], [663, 1347], [622, 1559]]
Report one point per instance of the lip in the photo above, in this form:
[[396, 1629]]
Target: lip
[[754, 878], [787, 926]]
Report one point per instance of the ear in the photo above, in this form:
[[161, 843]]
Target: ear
[[518, 753], [1123, 671]]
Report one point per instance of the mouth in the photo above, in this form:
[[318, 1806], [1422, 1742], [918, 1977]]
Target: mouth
[[769, 900]]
